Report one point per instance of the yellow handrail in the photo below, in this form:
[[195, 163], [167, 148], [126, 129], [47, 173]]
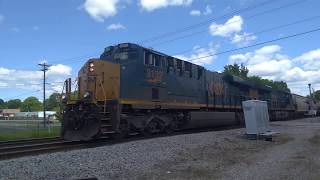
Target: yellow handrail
[[105, 96]]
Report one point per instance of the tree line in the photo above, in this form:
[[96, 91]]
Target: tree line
[[242, 71], [32, 104]]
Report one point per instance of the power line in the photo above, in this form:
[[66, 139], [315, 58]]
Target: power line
[[257, 44], [264, 30], [74, 59], [249, 8], [248, 17]]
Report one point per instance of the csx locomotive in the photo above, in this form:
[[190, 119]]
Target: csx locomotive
[[132, 89]]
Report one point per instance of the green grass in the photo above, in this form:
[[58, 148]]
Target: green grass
[[28, 134]]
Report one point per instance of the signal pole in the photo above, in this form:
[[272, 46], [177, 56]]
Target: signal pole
[[44, 67]]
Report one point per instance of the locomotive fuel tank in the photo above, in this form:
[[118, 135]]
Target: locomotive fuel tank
[[199, 119]]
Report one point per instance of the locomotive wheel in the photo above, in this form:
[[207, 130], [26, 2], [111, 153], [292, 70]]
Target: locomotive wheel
[[154, 126], [173, 126], [81, 122]]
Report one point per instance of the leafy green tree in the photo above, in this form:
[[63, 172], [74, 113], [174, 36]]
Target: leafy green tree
[[236, 70], [31, 104], [315, 95], [53, 102], [3, 104], [242, 71], [14, 104]]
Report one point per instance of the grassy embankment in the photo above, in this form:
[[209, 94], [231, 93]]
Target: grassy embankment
[[22, 130]]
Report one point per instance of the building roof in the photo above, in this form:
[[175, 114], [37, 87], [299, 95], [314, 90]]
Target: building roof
[[9, 111]]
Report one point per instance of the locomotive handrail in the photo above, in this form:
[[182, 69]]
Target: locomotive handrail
[[105, 96], [76, 88]]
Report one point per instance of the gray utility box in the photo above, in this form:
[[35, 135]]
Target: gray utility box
[[256, 117]]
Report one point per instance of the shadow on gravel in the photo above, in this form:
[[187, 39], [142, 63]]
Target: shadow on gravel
[[209, 161]]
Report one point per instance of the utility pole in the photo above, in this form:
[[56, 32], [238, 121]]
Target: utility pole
[[311, 96], [44, 67]]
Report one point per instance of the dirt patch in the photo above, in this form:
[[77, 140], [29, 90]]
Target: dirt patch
[[209, 161], [315, 140], [305, 163]]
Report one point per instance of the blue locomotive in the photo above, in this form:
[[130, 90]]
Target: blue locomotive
[[133, 89]]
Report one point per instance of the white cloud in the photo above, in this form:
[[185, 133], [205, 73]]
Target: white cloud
[[101, 9], [32, 80], [151, 5], [243, 39], [233, 25], [1, 18], [59, 69], [195, 13], [310, 60], [208, 10], [198, 53], [3, 84], [268, 50], [232, 29], [268, 62], [115, 26]]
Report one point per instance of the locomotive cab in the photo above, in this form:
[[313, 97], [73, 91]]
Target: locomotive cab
[[99, 81], [86, 108]]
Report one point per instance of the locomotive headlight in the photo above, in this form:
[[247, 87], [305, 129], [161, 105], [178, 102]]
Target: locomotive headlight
[[86, 95], [63, 98], [91, 65], [91, 69]]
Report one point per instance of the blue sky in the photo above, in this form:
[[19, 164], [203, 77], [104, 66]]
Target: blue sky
[[66, 33]]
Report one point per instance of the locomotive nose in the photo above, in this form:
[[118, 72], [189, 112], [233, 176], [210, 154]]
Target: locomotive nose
[[81, 122]]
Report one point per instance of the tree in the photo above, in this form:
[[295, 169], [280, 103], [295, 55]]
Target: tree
[[53, 102], [31, 104], [3, 104], [14, 104], [236, 70], [315, 95], [242, 71]]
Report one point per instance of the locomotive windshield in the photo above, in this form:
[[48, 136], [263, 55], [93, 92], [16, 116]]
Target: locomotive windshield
[[120, 53]]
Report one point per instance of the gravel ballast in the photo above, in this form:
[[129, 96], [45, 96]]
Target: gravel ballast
[[294, 153]]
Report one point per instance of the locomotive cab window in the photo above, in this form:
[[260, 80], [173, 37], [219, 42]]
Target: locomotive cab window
[[148, 59], [157, 59]]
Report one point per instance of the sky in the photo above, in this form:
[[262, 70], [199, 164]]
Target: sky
[[66, 33]]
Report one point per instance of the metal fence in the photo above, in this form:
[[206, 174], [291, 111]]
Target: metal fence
[[24, 128]]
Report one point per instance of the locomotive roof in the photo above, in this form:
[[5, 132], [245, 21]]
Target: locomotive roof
[[230, 78], [153, 51]]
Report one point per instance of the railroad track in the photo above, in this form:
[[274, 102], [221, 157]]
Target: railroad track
[[14, 149], [20, 148]]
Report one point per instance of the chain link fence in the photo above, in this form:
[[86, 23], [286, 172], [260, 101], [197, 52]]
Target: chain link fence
[[14, 128]]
